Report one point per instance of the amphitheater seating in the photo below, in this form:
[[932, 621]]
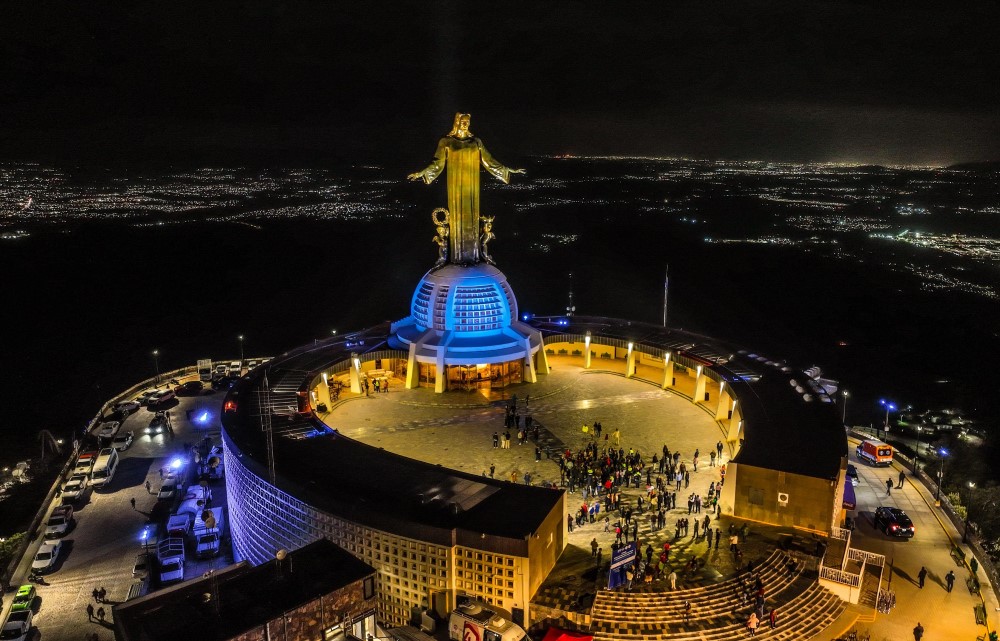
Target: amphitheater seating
[[803, 606]]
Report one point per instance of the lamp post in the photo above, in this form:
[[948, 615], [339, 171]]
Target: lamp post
[[240, 337], [156, 365], [889, 407], [941, 454], [965, 532], [843, 418]]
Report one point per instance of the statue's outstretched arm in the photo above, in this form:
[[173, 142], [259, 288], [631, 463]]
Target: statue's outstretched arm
[[493, 165], [433, 170]]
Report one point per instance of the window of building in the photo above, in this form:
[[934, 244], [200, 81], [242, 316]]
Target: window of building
[[755, 496]]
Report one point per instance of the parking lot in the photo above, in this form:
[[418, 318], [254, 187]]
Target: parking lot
[[100, 548]]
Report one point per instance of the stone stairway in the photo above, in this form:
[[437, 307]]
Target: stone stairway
[[717, 612], [870, 581]]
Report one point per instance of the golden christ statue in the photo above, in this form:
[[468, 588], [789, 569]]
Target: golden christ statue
[[462, 153]]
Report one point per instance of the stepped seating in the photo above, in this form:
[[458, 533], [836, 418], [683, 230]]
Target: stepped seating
[[804, 608], [705, 601]]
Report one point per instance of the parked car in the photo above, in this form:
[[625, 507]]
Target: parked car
[[894, 522], [157, 424], [75, 487], [17, 626], [127, 407], [852, 473], [223, 382], [143, 398], [24, 599], [140, 569], [122, 441], [191, 388], [168, 489], [109, 429], [60, 522], [85, 462], [252, 363], [46, 556], [160, 397]]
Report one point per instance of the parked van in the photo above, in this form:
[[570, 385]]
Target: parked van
[[207, 532], [105, 467], [875, 452], [477, 620]]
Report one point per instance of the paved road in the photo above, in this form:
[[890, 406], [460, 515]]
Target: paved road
[[100, 549], [943, 615]]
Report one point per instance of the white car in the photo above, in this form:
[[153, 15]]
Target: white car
[[168, 489], [172, 569], [58, 524], [17, 626], [122, 441], [109, 429], [143, 398], [75, 487], [127, 407], [46, 556], [160, 397]]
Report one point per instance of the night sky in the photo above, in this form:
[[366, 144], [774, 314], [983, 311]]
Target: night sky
[[280, 82]]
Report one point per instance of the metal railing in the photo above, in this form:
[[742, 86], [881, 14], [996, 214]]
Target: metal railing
[[840, 576], [840, 533], [863, 556]]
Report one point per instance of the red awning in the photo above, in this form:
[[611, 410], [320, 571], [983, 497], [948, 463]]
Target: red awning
[[555, 634]]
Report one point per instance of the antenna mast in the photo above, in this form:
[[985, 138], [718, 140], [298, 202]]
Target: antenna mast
[[666, 280]]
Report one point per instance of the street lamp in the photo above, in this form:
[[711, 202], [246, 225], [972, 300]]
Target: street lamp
[[965, 532], [156, 364], [941, 454], [241, 348], [145, 540], [889, 407], [846, 395]]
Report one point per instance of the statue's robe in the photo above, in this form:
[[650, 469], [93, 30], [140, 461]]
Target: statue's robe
[[462, 158]]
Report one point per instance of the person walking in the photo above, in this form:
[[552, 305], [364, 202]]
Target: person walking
[[493, 468], [950, 579], [888, 487], [103, 594], [752, 624], [922, 576], [902, 477], [772, 619], [101, 614], [918, 632], [148, 488], [593, 547], [718, 535], [96, 594], [132, 501], [90, 611], [673, 579], [496, 440]]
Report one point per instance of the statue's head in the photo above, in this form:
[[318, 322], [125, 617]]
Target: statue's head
[[461, 127]]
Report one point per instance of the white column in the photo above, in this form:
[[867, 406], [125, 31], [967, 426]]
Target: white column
[[586, 351], [543, 359], [668, 371], [355, 373], [630, 361], [412, 368]]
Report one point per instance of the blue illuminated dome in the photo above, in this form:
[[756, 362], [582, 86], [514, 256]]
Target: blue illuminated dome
[[465, 315], [464, 299]]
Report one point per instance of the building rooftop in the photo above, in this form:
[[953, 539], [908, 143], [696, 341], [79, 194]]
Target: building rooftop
[[789, 421], [369, 485], [239, 597]]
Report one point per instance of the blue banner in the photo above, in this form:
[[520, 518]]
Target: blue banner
[[621, 560]]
